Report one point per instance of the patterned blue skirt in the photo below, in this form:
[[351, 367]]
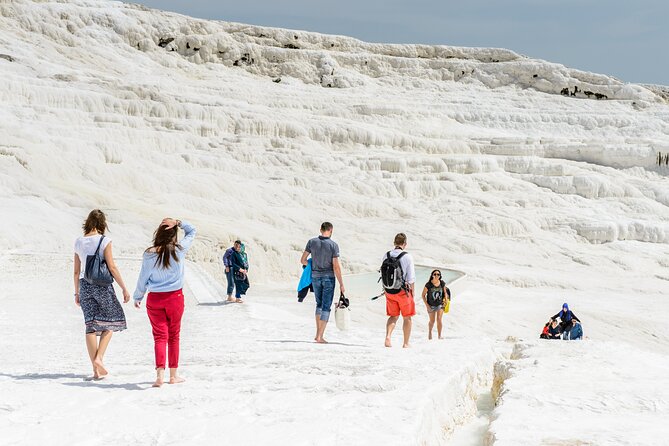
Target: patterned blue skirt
[[102, 310]]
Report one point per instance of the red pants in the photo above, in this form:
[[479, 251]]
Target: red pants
[[165, 311]]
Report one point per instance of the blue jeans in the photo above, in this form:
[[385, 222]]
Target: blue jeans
[[324, 290], [231, 281]]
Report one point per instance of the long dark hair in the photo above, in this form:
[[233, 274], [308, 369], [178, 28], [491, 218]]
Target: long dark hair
[[96, 220], [432, 273], [165, 245]]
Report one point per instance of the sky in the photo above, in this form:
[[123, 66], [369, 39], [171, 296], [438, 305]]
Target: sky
[[625, 39]]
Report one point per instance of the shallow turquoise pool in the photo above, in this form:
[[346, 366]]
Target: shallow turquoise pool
[[367, 285]]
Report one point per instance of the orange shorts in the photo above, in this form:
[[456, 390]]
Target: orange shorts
[[400, 303]]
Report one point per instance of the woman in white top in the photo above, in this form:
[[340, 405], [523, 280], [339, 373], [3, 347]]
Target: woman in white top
[[102, 311]]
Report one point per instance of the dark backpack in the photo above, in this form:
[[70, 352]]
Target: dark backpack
[[96, 271], [392, 276]]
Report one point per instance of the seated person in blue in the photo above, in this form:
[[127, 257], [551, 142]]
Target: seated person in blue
[[567, 318]]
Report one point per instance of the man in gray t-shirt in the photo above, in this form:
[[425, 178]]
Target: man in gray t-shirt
[[324, 268]]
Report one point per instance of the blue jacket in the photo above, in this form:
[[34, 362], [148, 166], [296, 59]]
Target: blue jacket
[[226, 257], [305, 280]]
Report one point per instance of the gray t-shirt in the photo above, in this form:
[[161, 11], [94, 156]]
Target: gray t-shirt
[[323, 250]]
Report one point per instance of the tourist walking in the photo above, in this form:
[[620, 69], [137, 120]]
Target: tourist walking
[[94, 293], [229, 275], [398, 275], [435, 296], [240, 268], [325, 267], [162, 275]]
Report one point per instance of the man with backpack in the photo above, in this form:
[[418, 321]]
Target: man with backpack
[[324, 268], [398, 275]]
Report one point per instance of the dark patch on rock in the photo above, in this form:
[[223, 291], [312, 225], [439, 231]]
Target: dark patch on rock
[[575, 91], [7, 57], [277, 80], [195, 48], [164, 41], [588, 93], [246, 59], [601, 96], [187, 45], [291, 46], [295, 36], [565, 91], [535, 75]]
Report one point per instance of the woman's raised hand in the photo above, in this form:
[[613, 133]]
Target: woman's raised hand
[[169, 223]]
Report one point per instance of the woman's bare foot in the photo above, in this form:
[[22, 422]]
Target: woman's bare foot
[[239, 301], [231, 299], [99, 369], [429, 336], [321, 341], [387, 343], [176, 380], [160, 374], [406, 346]]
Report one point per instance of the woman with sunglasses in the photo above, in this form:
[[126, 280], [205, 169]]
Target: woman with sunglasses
[[434, 293]]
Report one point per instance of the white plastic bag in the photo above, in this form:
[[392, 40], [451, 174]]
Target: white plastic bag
[[342, 318]]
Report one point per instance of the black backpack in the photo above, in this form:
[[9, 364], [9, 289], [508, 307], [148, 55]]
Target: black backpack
[[392, 276], [96, 271]]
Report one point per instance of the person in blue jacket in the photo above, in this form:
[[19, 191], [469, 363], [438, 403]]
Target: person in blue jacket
[[567, 318], [229, 275]]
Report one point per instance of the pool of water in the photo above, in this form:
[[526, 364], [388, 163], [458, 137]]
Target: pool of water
[[367, 285]]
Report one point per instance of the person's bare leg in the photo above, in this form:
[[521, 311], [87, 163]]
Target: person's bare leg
[[321, 332], [406, 328], [160, 377], [440, 314], [318, 319], [92, 347], [430, 325], [174, 377], [390, 326], [98, 363]]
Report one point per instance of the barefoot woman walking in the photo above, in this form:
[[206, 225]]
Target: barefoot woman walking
[[162, 275], [103, 314]]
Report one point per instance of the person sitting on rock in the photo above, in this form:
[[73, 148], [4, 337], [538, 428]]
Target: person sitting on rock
[[567, 318]]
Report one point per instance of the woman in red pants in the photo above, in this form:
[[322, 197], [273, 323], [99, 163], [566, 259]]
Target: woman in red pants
[[162, 275]]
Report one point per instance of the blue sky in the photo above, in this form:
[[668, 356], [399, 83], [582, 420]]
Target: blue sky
[[624, 38]]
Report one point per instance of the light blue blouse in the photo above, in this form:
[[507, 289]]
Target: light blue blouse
[[154, 278]]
